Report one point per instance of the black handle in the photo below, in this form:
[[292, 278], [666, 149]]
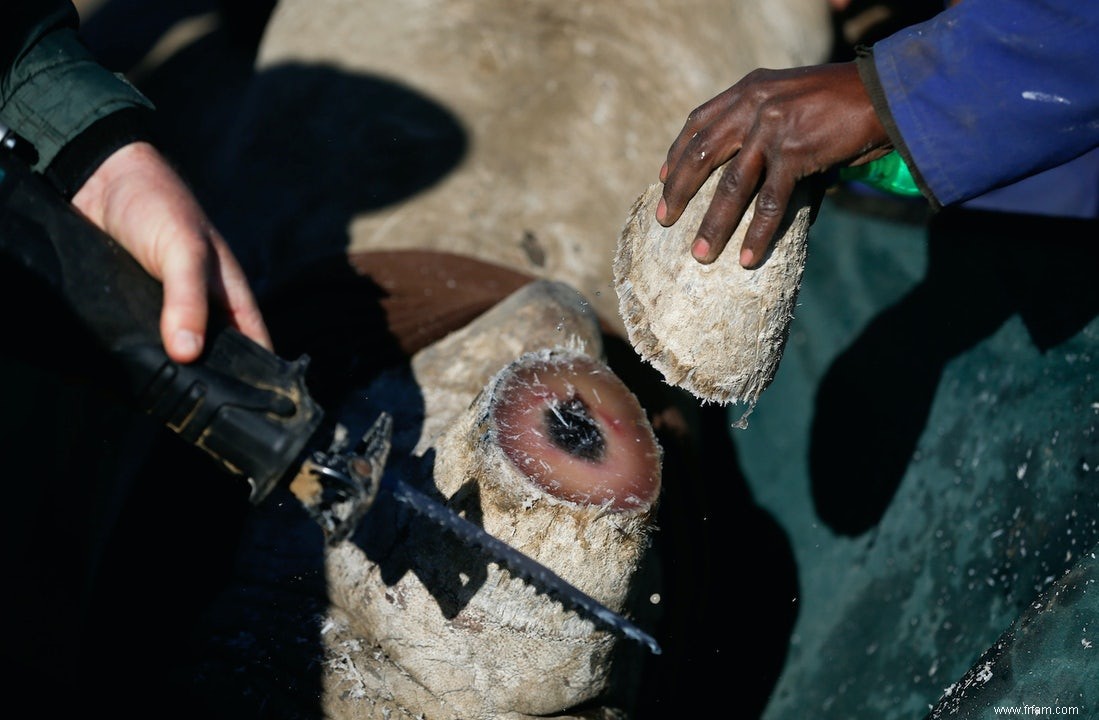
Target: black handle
[[239, 402]]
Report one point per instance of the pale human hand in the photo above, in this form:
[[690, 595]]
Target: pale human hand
[[774, 128], [139, 200]]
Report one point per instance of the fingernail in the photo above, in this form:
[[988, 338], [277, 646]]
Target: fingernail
[[746, 258], [664, 172], [187, 342], [701, 248], [661, 209]]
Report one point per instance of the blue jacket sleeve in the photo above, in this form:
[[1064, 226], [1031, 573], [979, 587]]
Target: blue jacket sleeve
[[989, 92]]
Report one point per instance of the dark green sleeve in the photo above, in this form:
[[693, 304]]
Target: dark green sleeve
[[57, 97]]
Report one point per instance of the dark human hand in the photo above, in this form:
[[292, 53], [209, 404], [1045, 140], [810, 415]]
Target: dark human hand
[[773, 128], [138, 199]]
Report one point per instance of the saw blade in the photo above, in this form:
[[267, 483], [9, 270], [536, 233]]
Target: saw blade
[[339, 486], [518, 563]]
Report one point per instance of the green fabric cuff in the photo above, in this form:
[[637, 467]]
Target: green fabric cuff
[[57, 90], [868, 73]]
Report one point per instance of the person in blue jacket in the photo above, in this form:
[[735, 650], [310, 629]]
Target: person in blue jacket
[[90, 132], [927, 358], [985, 94]]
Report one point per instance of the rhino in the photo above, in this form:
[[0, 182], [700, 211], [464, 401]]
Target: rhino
[[463, 171], [428, 196]]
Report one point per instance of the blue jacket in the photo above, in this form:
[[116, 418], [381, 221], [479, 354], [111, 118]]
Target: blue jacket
[[990, 92]]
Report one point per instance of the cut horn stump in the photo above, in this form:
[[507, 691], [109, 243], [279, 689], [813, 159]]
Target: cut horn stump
[[550, 453]]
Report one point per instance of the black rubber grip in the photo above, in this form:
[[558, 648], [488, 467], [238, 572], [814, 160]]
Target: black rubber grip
[[247, 407]]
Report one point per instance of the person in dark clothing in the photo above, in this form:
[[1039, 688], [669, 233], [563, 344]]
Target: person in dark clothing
[[89, 131], [72, 565]]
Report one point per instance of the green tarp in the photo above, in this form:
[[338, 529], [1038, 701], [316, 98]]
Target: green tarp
[[929, 447]]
